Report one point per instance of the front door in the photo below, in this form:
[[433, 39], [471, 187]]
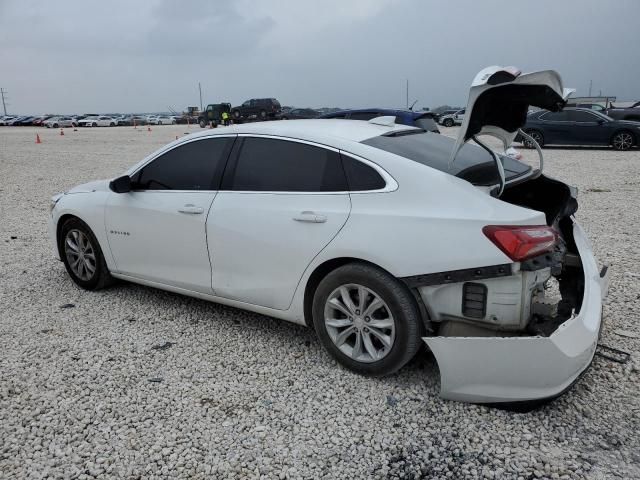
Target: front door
[[281, 203], [157, 232]]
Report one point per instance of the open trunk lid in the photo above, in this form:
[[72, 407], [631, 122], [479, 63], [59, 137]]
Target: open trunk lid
[[499, 99]]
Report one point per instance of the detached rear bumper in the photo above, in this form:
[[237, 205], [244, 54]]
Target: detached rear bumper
[[514, 369]]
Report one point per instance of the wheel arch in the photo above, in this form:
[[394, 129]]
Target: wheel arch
[[627, 130], [321, 271]]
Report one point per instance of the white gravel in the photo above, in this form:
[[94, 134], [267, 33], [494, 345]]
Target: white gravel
[[83, 393]]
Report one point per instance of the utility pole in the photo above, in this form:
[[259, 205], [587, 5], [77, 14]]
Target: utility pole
[[200, 88], [4, 105], [407, 91], [590, 85]]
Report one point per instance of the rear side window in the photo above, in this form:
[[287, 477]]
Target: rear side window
[[361, 177], [193, 166], [580, 116], [266, 164]]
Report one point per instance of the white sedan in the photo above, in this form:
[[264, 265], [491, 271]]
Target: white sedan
[[101, 121], [377, 235]]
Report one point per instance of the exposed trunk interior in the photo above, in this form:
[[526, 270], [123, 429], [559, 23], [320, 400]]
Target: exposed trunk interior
[[556, 201]]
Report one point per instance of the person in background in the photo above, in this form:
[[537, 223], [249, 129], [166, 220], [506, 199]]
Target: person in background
[[225, 119]]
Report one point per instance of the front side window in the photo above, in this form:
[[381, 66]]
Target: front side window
[[266, 164], [195, 165]]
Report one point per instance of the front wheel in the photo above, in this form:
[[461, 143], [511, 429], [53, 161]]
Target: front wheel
[[55, 125], [94, 124], [366, 319], [448, 122], [112, 124], [82, 256], [202, 123], [236, 114], [622, 141]]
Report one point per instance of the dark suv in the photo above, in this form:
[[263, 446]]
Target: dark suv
[[260, 108]]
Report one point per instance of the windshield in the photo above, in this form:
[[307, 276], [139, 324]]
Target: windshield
[[472, 163]]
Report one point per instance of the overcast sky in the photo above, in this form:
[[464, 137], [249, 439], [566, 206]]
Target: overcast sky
[[143, 56]]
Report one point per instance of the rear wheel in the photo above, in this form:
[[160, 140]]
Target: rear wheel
[[55, 125], [448, 122], [82, 256], [622, 140], [203, 124], [366, 319], [537, 136], [112, 124], [236, 114], [94, 124], [263, 115]]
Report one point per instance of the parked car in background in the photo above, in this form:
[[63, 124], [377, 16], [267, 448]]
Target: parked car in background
[[628, 113], [452, 119], [212, 115], [6, 120], [59, 122], [152, 119], [298, 114], [100, 121], [165, 120], [579, 126], [39, 121], [422, 119], [24, 122], [437, 116], [258, 108]]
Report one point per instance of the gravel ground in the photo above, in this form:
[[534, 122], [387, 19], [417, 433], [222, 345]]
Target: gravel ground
[[90, 388]]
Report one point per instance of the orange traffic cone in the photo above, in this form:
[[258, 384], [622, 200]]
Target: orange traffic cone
[[61, 132], [38, 138]]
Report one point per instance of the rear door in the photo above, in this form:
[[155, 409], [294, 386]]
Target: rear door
[[282, 201]]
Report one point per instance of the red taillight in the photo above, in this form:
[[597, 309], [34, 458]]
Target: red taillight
[[520, 242]]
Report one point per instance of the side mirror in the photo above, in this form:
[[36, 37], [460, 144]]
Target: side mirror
[[121, 184]]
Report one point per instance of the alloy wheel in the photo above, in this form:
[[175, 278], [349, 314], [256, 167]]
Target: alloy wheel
[[80, 254], [359, 323], [622, 141]]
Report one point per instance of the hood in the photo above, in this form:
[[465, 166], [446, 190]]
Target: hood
[[499, 99], [96, 185]]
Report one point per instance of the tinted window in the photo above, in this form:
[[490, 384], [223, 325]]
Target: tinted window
[[192, 166], [556, 116], [472, 163], [360, 176], [266, 164], [363, 115], [578, 116]]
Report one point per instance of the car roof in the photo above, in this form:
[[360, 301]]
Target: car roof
[[383, 111], [316, 130]]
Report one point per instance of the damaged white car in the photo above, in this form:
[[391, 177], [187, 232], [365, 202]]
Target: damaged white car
[[380, 236]]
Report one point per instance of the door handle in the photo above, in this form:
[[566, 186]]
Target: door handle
[[310, 217], [191, 209]]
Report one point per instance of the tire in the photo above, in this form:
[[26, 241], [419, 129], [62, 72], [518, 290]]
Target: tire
[[74, 125], [112, 124], [623, 140], [94, 124], [398, 309], [537, 136], [173, 122], [203, 124], [236, 114], [448, 122], [55, 125], [263, 115], [72, 233]]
